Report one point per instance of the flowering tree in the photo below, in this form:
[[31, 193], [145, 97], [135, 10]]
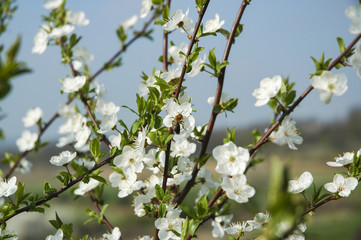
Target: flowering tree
[[152, 159]]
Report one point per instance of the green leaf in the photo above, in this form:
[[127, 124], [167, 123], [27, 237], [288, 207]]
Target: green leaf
[[341, 44], [157, 2], [217, 108], [201, 206], [95, 147], [159, 192], [162, 210], [190, 212], [212, 59]]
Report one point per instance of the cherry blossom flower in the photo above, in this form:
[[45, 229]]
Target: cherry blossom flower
[[269, 88], [66, 110], [297, 234], [130, 22], [73, 124], [58, 235], [71, 85], [237, 189], [343, 186], [81, 137], [179, 20], [77, 18], [231, 160], [182, 111], [41, 40], [116, 234], [24, 166], [172, 73], [52, 4], [301, 184], [65, 140], [152, 163], [182, 147], [219, 225], [146, 238], [213, 25], [108, 123], [222, 101], [61, 31], [174, 52], [287, 134], [171, 221], [139, 202], [115, 140], [126, 183], [106, 108], [329, 84], [344, 160], [149, 82], [355, 59], [32, 117], [8, 188], [129, 159], [81, 57], [259, 220], [197, 66], [354, 14], [236, 228], [146, 7], [27, 141], [63, 158], [86, 187]]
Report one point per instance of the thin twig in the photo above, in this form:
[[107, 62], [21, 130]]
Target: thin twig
[[179, 199]]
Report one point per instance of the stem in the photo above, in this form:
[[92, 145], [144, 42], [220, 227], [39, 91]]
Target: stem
[[179, 199], [319, 204], [57, 193]]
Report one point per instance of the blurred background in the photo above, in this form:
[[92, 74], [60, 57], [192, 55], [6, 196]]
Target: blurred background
[[278, 38]]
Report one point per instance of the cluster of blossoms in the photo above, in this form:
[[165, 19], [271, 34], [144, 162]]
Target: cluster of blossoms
[[141, 154]]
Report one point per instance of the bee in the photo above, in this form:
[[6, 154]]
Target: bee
[[177, 123]]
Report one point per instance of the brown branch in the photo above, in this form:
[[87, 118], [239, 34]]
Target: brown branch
[[179, 199], [56, 115], [57, 193], [319, 204]]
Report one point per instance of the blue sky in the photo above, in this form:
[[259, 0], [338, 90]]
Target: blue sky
[[279, 37]]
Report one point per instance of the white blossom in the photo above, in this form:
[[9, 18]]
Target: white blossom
[[174, 52], [81, 136], [183, 111], [231, 160], [24, 166], [178, 20], [32, 117], [61, 31], [85, 162], [354, 14], [27, 141], [77, 18], [52, 4], [213, 25], [8, 188], [287, 134], [301, 184], [269, 88], [63, 158], [129, 159], [81, 57], [130, 22], [58, 235], [65, 140], [197, 66], [222, 101], [115, 140], [116, 234], [237, 189], [329, 84], [236, 228], [106, 108], [182, 147], [342, 185], [146, 7], [171, 221], [66, 110], [126, 183], [72, 124], [259, 220], [86, 187], [355, 59], [40, 41], [219, 225], [71, 85], [343, 160], [108, 123], [149, 82]]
